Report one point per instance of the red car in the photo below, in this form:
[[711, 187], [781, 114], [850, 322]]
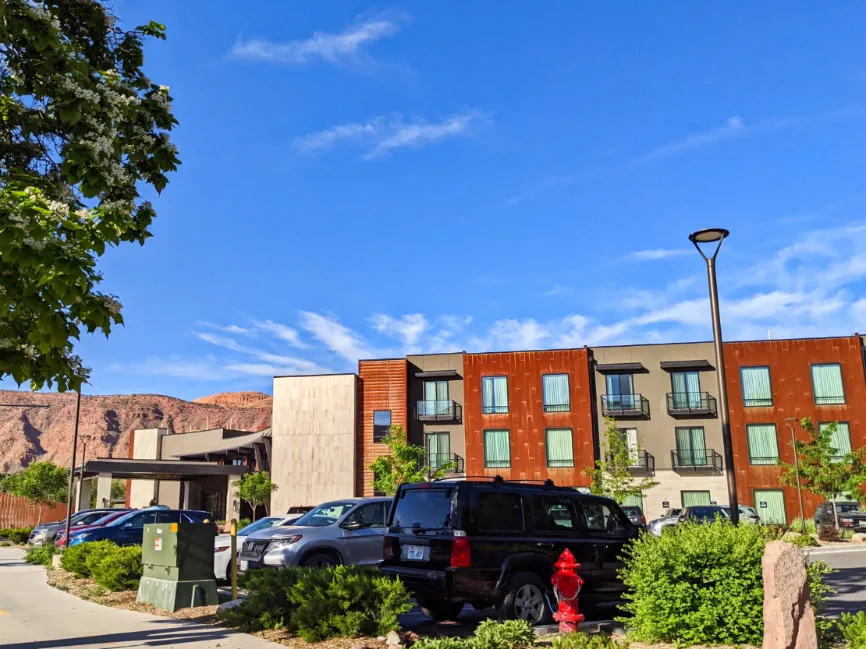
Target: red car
[[60, 541]]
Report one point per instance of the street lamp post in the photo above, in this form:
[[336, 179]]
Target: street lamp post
[[69, 496], [791, 421], [717, 236]]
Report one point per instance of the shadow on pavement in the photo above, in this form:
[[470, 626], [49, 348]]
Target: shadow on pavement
[[848, 583], [180, 634]]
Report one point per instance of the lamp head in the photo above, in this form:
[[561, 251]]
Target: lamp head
[[709, 235]]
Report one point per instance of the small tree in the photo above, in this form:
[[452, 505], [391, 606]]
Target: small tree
[[612, 473], [822, 470], [44, 483], [256, 489], [405, 464]]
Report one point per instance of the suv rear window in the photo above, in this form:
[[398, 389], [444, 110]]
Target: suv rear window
[[425, 509]]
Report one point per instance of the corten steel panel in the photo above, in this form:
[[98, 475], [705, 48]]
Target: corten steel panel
[[791, 381], [526, 419], [384, 388]]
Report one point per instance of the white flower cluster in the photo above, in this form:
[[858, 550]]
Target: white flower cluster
[[82, 93], [100, 144], [82, 213], [113, 306], [36, 244], [60, 209], [120, 205]]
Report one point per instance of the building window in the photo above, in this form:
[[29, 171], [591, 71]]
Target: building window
[[620, 391], [695, 498], [497, 449], [827, 384], [755, 382], [770, 505], [436, 402], [555, 391], [691, 446], [560, 449], [634, 500], [840, 438], [629, 435], [381, 425], [494, 395], [438, 449], [686, 388], [763, 445]]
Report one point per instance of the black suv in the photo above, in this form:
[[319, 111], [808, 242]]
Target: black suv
[[850, 514], [494, 543]]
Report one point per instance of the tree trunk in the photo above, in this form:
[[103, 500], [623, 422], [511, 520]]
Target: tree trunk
[[254, 511], [835, 514]]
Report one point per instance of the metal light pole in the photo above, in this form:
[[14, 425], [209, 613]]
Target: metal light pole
[[791, 421], [717, 236], [72, 468], [81, 473]]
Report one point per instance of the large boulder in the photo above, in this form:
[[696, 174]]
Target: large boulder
[[789, 621]]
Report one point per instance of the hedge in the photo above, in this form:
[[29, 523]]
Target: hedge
[[77, 559], [17, 535]]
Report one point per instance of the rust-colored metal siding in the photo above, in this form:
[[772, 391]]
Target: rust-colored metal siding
[[383, 386], [791, 381], [526, 419], [22, 512]]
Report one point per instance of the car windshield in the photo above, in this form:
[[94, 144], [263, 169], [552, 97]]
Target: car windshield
[[631, 511], [424, 509], [324, 515], [846, 508], [707, 514], [261, 524]]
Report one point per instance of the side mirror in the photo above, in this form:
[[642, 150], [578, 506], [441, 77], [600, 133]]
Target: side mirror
[[351, 526]]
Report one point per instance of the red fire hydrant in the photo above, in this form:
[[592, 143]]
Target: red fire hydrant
[[566, 585]]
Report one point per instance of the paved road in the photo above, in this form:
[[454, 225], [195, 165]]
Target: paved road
[[33, 615], [849, 580]]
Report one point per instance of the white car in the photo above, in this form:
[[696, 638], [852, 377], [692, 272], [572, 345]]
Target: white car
[[222, 543]]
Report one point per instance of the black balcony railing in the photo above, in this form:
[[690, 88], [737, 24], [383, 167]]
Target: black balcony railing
[[624, 405], [639, 461], [830, 400], [438, 411], [696, 459], [691, 403], [453, 462]]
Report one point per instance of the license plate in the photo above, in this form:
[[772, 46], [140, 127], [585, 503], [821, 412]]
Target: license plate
[[243, 566], [416, 553]]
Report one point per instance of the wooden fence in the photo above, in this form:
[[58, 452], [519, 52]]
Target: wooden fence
[[21, 512]]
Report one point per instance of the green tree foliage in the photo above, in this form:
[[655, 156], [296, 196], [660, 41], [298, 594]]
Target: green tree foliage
[[42, 482], [612, 475], [256, 489], [82, 131], [405, 464], [118, 492], [822, 470], [7, 483]]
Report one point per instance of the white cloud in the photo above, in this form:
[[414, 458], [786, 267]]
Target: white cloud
[[229, 329], [334, 336], [281, 331], [343, 47], [382, 135], [408, 328], [206, 369], [733, 127], [657, 253], [557, 289]]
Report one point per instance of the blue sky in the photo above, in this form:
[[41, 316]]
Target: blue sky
[[363, 180]]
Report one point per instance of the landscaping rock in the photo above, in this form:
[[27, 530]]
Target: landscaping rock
[[230, 604], [859, 538], [789, 621], [393, 639]]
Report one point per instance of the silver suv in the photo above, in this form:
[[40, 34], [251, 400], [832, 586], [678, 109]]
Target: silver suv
[[347, 531]]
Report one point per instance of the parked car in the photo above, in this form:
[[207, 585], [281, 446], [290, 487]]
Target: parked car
[[703, 514], [46, 533], [222, 544], [635, 515], [494, 543], [129, 529], [60, 539], [670, 517], [299, 509], [747, 514], [850, 515], [348, 531]]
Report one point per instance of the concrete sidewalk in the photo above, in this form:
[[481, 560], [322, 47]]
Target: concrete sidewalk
[[33, 615]]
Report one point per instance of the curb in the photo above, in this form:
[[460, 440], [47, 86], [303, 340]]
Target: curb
[[594, 626], [833, 550]]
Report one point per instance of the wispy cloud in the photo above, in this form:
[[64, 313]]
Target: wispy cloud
[[335, 336], [557, 289], [382, 135], [229, 329], [281, 331], [656, 254], [346, 46], [408, 328], [733, 127]]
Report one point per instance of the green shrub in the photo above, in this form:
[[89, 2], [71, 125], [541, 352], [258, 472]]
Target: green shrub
[[120, 569], [96, 552], [581, 640], [684, 585], [16, 535], [811, 528], [828, 533], [800, 540], [819, 594], [77, 558], [441, 643], [320, 603], [512, 634], [853, 629], [242, 523], [41, 556]]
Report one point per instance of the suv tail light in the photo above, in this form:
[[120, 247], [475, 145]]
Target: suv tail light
[[643, 519], [460, 554]]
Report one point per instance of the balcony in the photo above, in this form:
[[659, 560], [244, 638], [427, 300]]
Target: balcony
[[685, 404], [438, 411], [624, 405], [697, 460], [433, 461], [639, 461]]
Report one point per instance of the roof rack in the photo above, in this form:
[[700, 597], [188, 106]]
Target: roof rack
[[498, 479]]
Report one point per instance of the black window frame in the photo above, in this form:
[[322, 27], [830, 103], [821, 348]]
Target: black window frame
[[614, 508], [495, 410], [547, 448], [378, 435], [749, 444], [844, 401], [847, 422], [577, 515], [695, 491], [556, 407], [743, 392], [484, 448]]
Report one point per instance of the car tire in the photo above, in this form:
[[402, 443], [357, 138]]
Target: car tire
[[319, 560], [440, 611], [523, 598]]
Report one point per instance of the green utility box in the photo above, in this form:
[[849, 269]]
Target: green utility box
[[177, 559]]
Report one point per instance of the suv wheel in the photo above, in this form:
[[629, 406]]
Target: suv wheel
[[523, 599], [319, 560], [441, 610]]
